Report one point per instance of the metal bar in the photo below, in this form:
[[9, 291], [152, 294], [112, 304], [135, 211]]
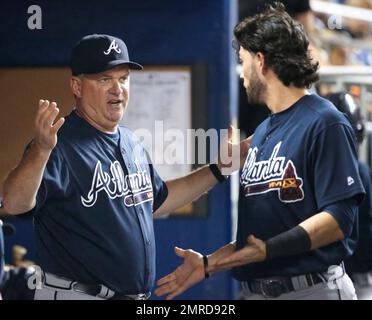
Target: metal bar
[[341, 10]]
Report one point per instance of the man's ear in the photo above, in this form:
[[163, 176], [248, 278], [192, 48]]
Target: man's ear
[[75, 84], [261, 65]]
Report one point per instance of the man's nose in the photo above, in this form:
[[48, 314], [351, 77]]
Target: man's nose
[[117, 87]]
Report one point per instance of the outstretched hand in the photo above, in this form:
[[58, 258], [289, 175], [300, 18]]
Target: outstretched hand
[[233, 153], [45, 131], [185, 276]]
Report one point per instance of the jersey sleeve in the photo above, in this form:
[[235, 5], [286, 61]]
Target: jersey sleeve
[[55, 182], [344, 212], [159, 187], [363, 254], [333, 160], [365, 208]]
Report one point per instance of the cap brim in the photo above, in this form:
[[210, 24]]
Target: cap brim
[[130, 64], [107, 66]]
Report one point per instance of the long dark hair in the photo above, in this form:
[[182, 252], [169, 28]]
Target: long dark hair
[[283, 42]]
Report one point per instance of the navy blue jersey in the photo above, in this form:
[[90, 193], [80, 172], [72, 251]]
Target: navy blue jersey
[[300, 161], [94, 211], [361, 260]]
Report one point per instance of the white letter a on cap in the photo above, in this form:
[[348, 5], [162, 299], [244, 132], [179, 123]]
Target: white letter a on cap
[[113, 46]]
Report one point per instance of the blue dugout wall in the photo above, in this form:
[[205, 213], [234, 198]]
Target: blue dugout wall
[[161, 32]]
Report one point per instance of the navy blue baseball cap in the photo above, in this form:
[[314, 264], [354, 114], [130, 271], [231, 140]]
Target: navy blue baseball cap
[[99, 52]]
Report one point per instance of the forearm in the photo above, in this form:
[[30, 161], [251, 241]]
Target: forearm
[[218, 255], [322, 229], [184, 190], [315, 232], [23, 182]]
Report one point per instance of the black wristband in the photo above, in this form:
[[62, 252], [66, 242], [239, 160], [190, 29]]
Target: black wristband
[[291, 242], [205, 260], [217, 173]]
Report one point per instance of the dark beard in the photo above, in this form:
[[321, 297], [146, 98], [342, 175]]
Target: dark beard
[[256, 90], [254, 95]]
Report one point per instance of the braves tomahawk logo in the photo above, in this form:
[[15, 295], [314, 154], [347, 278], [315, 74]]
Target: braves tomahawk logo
[[136, 188], [113, 46], [274, 174]]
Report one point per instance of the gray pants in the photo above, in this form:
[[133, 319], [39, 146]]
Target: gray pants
[[363, 285], [341, 288]]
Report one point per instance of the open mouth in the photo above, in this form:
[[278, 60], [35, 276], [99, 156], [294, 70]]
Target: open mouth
[[115, 102]]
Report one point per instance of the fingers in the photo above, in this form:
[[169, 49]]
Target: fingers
[[58, 125], [253, 241], [47, 113], [50, 114], [174, 289], [179, 252], [169, 286], [250, 239], [175, 293], [45, 132], [168, 278], [43, 105], [166, 288]]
